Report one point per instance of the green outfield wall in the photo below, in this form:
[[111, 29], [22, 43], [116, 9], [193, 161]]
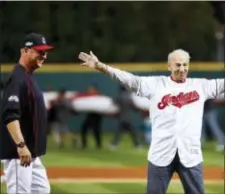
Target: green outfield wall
[[77, 78]]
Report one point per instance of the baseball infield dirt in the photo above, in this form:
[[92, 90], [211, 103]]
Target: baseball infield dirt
[[212, 173]]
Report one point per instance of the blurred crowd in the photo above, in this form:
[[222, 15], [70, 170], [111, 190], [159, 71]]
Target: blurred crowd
[[61, 108], [140, 136]]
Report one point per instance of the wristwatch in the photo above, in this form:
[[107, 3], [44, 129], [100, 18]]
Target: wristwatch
[[21, 144]]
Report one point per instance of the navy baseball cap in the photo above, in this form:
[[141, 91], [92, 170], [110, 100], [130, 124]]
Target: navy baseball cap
[[36, 41]]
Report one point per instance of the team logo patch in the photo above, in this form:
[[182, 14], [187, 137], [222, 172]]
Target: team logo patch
[[180, 100], [28, 43], [13, 99]]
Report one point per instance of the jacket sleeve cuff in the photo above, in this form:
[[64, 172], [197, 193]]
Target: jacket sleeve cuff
[[10, 116]]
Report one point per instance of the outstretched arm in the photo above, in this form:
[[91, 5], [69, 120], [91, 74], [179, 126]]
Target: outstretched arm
[[214, 88], [127, 79]]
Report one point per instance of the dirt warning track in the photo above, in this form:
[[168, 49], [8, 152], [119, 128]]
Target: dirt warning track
[[212, 173]]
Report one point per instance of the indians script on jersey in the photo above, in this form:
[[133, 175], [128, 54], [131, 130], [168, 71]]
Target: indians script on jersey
[[180, 100]]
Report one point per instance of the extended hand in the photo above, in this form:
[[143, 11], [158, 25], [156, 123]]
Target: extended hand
[[90, 60]]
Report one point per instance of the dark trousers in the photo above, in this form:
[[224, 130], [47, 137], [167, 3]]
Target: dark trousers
[[125, 126], [92, 122], [159, 178]]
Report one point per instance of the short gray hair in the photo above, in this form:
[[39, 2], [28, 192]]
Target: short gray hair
[[179, 52]]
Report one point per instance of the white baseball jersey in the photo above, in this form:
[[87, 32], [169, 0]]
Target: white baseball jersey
[[176, 113]]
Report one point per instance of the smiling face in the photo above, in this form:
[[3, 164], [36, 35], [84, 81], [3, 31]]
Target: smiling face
[[178, 64], [37, 57], [34, 58]]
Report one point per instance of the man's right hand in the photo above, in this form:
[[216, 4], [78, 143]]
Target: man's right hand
[[92, 62], [25, 156], [89, 60]]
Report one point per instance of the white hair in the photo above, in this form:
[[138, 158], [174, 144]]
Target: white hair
[[179, 52]]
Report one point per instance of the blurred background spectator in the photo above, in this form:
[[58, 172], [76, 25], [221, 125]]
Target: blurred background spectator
[[60, 109], [146, 127], [92, 121], [125, 122], [210, 121]]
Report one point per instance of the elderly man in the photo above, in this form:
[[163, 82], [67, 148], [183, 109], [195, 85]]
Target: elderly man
[[176, 116]]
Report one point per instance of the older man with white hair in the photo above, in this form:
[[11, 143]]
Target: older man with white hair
[[176, 104]]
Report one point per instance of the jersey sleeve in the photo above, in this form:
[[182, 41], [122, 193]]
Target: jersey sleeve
[[213, 88], [140, 85], [127, 79], [12, 100], [147, 86]]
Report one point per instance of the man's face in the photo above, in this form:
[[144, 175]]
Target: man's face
[[179, 67], [36, 58]]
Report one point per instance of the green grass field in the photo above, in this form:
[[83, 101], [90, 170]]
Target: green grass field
[[126, 155], [123, 188], [120, 188]]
